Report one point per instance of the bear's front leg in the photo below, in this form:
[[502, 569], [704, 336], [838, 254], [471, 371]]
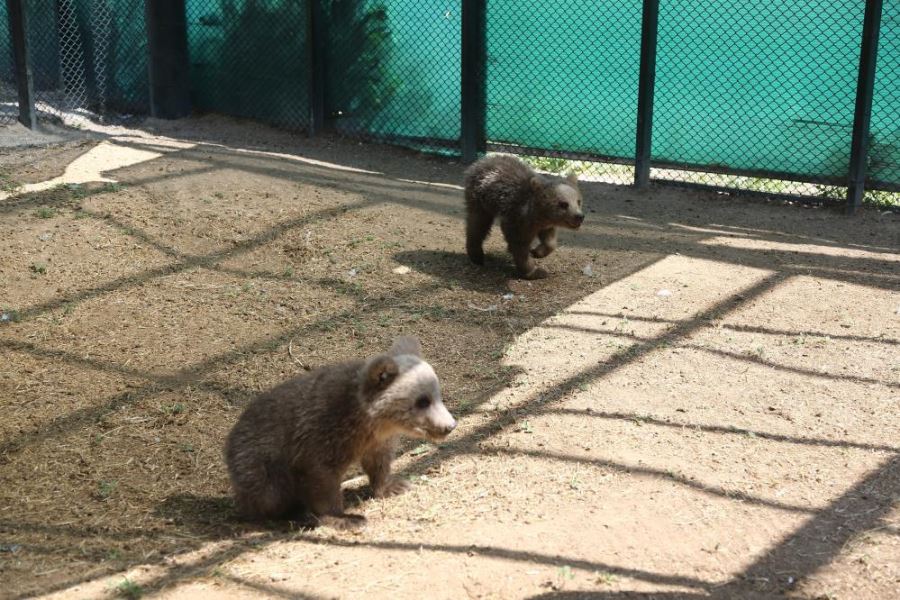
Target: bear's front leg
[[548, 243], [377, 465]]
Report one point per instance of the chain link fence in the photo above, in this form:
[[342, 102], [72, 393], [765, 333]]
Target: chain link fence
[[764, 90], [9, 98], [747, 95], [562, 84], [249, 59], [88, 59], [393, 71], [884, 131]]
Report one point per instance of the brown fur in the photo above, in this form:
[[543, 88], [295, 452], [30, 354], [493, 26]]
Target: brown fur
[[292, 445], [529, 206]]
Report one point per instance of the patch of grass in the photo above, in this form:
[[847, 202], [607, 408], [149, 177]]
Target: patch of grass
[[574, 482], [436, 312], [76, 190], [288, 272], [39, 268], [759, 352], [604, 578], [105, 489], [111, 187], [7, 183], [129, 589], [882, 200], [9, 315], [174, 409], [550, 164], [348, 288], [45, 212]]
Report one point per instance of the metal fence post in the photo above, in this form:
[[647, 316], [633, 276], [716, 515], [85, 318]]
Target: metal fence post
[[18, 29], [859, 145], [170, 93], [473, 102], [646, 85], [315, 64]]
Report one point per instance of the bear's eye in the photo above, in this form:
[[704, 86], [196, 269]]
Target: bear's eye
[[563, 204], [422, 402]]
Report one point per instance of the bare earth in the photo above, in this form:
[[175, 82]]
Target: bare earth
[[713, 412]]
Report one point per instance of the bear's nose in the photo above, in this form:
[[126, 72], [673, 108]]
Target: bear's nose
[[579, 219], [449, 428]]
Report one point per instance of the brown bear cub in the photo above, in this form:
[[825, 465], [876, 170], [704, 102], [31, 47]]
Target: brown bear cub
[[529, 206], [291, 447]]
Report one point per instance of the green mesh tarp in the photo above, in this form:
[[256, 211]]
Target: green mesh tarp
[[563, 74], [884, 138], [86, 54], [741, 85], [127, 77], [248, 59], [9, 108], [403, 80], [757, 85]]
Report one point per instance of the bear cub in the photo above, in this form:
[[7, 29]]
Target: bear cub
[[292, 445], [529, 206]]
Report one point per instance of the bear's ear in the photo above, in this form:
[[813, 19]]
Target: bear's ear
[[572, 179], [537, 183], [406, 344], [378, 374]]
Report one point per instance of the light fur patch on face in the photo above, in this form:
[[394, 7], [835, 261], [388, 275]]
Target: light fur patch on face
[[416, 377], [568, 193]]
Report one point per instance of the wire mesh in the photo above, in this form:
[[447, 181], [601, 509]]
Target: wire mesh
[[121, 56], [884, 130], [562, 84], [748, 95], [9, 99], [393, 70], [88, 58], [757, 95], [249, 59]]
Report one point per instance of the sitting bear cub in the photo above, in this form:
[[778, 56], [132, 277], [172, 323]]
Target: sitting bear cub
[[292, 445]]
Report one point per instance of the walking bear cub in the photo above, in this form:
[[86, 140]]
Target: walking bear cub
[[528, 204], [292, 445]]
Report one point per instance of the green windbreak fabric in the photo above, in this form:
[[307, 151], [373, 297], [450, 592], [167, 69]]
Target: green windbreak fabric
[[757, 85], [742, 85], [563, 74], [248, 59]]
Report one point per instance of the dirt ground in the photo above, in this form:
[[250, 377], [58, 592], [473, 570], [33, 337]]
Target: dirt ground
[[710, 411]]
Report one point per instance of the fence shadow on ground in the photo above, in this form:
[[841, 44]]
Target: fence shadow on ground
[[627, 223]]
